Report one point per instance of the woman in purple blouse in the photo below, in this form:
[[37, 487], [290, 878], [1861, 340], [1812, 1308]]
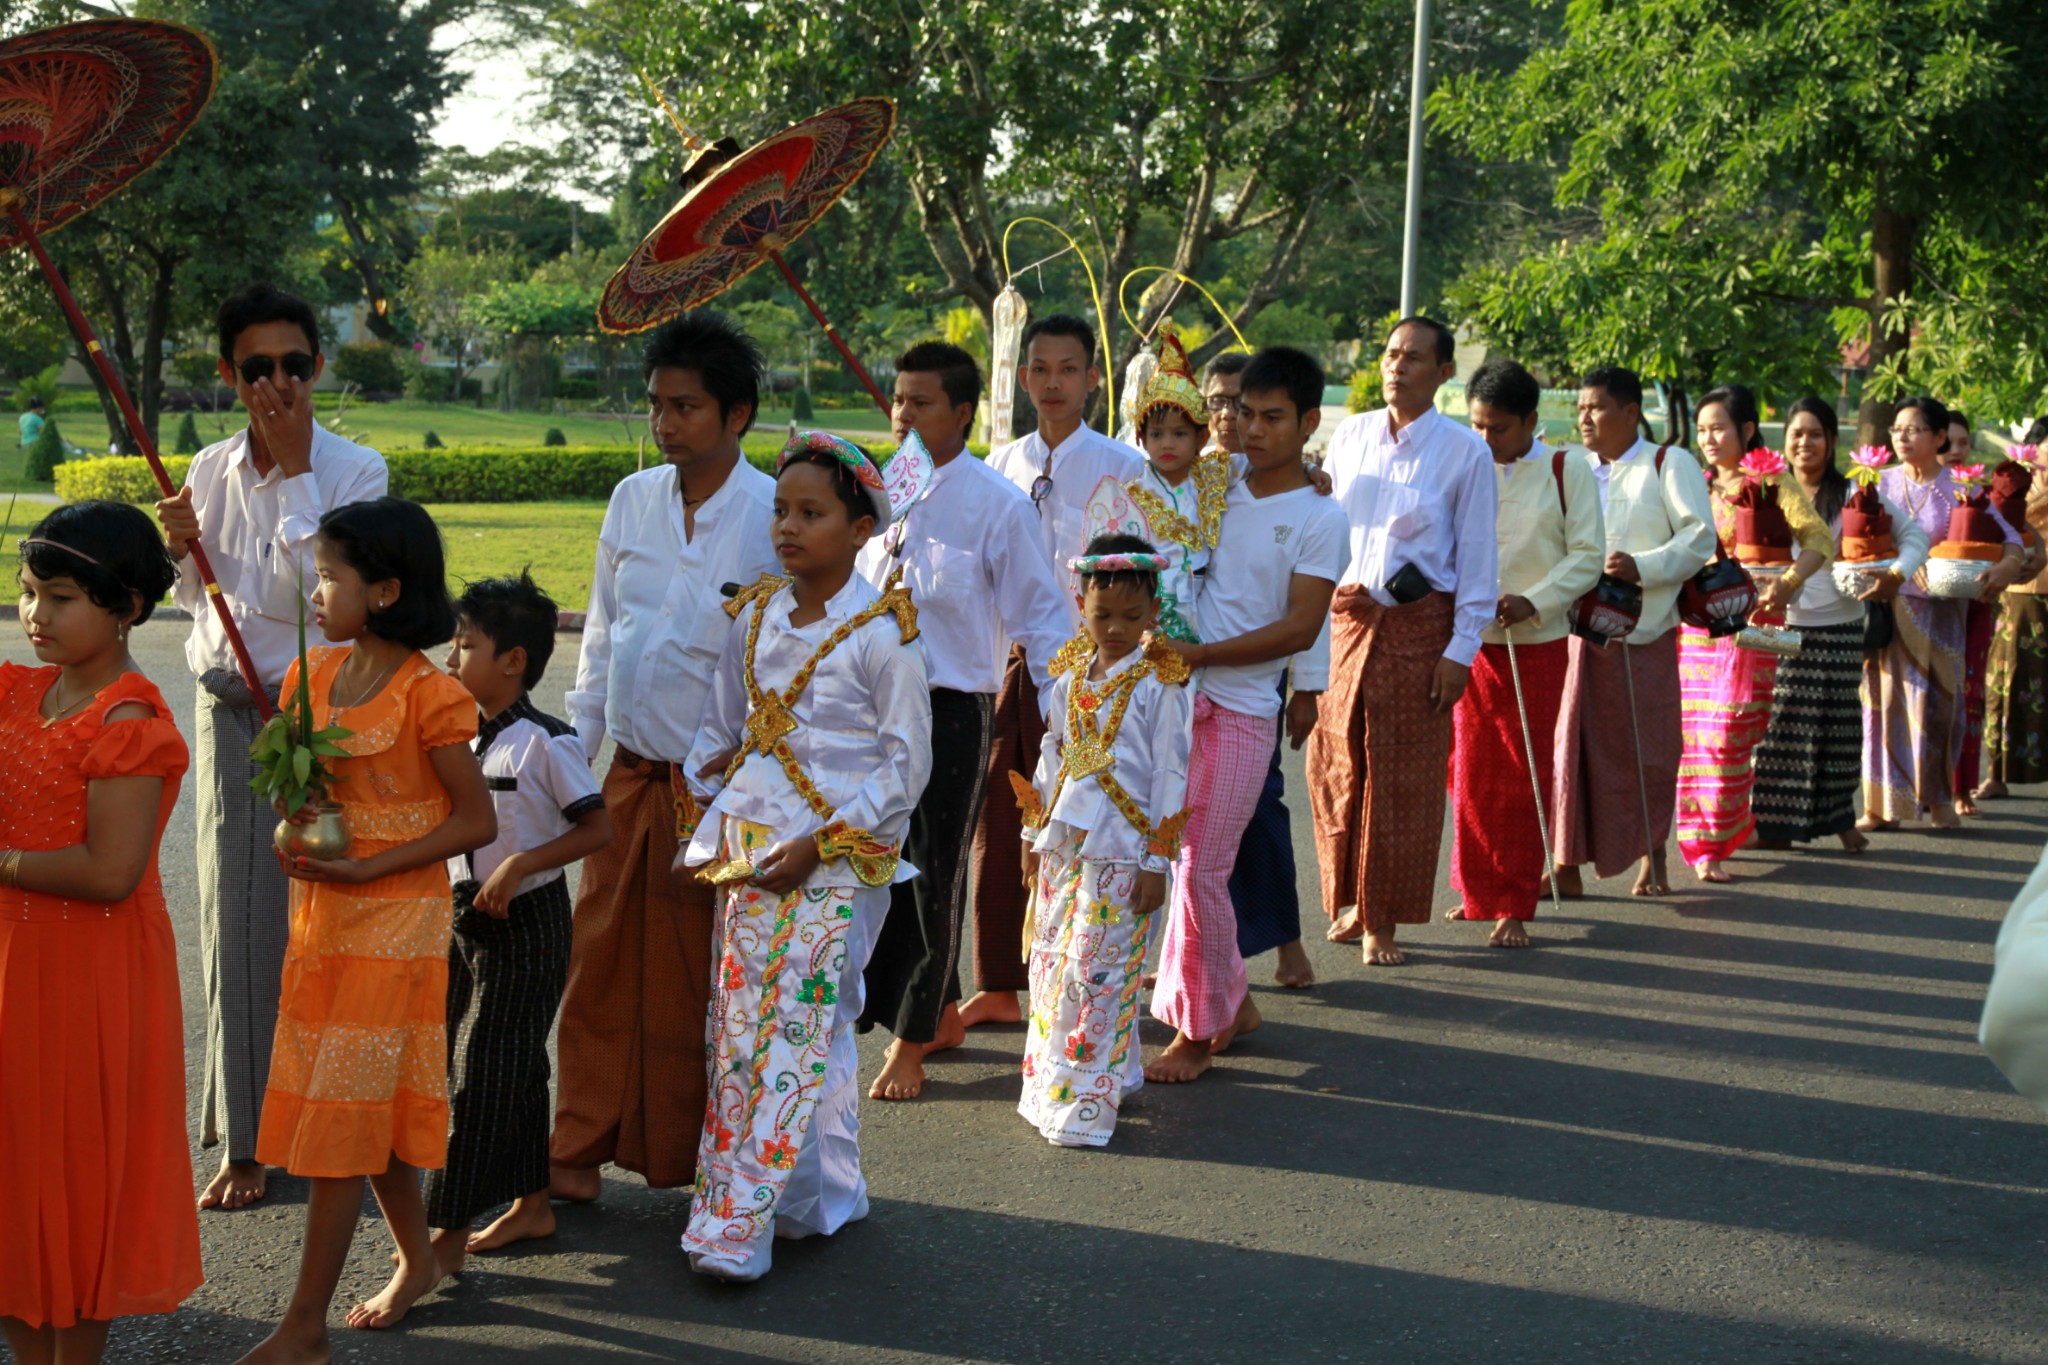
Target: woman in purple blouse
[[1913, 688]]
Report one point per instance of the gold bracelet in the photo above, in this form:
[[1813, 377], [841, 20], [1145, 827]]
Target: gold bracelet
[[10, 867]]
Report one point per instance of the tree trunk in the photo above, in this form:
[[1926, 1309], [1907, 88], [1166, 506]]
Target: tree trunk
[[150, 363], [362, 255], [1893, 236]]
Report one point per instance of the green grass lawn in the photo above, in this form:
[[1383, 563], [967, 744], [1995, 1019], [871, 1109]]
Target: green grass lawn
[[558, 539]]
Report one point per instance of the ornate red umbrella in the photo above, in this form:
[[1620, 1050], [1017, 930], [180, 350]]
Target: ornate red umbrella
[[84, 109], [743, 208]]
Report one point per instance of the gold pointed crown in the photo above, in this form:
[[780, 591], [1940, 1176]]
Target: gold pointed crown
[[1172, 384]]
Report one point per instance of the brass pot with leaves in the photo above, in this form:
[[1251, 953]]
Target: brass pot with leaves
[[290, 758]]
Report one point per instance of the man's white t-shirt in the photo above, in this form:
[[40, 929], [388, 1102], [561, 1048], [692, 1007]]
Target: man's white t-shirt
[[1264, 543]]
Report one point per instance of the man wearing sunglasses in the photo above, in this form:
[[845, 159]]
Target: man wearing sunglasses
[[254, 501]]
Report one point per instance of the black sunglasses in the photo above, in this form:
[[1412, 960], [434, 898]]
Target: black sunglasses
[[297, 364]]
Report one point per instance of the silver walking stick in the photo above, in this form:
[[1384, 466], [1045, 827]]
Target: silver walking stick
[[1535, 782]]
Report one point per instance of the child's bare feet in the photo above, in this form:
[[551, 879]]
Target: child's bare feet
[[1711, 870], [1651, 879], [529, 1217], [1185, 1059], [388, 1306], [1381, 951], [991, 1007], [1965, 806], [1508, 933], [577, 1184], [237, 1185], [902, 1073], [1293, 970], [1853, 841], [1346, 928], [1247, 1021]]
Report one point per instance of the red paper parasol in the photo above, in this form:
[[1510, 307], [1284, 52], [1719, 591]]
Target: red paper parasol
[[745, 210], [84, 109]]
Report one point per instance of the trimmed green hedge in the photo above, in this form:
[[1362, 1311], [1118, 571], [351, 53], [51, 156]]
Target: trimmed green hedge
[[450, 474]]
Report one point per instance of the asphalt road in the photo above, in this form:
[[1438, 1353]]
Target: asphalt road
[[1749, 1123]]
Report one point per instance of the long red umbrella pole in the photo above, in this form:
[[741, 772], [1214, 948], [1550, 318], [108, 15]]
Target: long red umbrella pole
[[831, 333], [98, 356]]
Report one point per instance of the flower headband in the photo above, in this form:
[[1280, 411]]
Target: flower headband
[[1085, 565]]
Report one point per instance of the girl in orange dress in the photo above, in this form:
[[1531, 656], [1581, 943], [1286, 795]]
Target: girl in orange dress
[[359, 1070], [96, 1214]]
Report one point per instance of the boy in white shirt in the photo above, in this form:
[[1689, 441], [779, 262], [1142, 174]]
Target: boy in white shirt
[[1265, 598], [630, 1047], [509, 956], [973, 556]]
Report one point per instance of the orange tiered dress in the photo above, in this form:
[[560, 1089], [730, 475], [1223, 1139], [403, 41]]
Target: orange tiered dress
[[96, 1208], [359, 1068]]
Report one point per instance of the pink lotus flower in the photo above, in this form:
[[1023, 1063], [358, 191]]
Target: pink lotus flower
[[1967, 473], [1867, 461], [1763, 463], [2026, 454]]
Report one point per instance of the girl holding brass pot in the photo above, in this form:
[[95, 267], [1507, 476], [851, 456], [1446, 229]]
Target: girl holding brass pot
[[368, 957]]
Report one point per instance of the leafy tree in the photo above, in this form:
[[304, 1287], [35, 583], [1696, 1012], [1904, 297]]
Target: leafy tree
[[1154, 136], [1747, 187], [439, 284], [188, 436]]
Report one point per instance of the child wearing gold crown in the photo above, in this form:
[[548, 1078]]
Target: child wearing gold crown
[[815, 747], [1102, 823], [1182, 488]]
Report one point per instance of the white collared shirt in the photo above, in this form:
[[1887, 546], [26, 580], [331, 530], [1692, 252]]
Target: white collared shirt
[[1151, 763], [657, 617], [1425, 496], [863, 729], [1264, 543], [257, 531], [975, 563], [1551, 547], [1665, 522], [1083, 460], [540, 785]]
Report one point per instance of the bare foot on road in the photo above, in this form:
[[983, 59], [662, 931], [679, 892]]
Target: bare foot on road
[[1853, 841], [577, 1184], [1247, 1021], [1346, 928], [530, 1216], [451, 1249], [1381, 950], [1293, 970], [237, 1185], [1712, 871], [1185, 1059], [388, 1307], [1508, 933], [902, 1073], [991, 1007], [1651, 879], [1570, 885]]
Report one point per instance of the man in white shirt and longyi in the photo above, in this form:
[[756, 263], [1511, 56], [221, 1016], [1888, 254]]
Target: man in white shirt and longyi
[[1404, 628], [972, 553], [254, 501], [631, 1040]]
